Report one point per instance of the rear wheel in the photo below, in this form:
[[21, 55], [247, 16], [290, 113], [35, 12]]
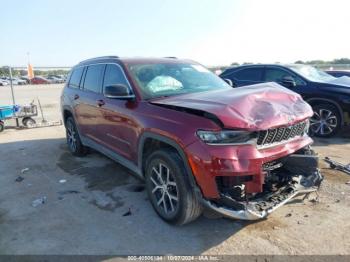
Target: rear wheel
[[326, 120], [2, 126], [169, 189], [28, 122], [73, 139]]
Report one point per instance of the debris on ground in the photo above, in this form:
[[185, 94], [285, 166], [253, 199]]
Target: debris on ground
[[19, 179], [62, 181], [39, 201], [289, 215], [127, 213], [338, 166], [347, 183], [337, 200], [24, 170]]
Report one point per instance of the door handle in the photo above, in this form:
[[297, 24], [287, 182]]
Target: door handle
[[76, 97], [100, 102]]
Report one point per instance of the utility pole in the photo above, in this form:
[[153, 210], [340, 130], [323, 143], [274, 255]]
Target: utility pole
[[13, 95]]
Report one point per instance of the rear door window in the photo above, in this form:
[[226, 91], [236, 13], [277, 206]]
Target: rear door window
[[76, 77], [249, 74], [93, 78]]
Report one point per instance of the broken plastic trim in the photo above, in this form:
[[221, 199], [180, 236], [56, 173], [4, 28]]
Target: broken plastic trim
[[250, 214], [304, 177]]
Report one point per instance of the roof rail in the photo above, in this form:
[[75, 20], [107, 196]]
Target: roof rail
[[173, 57], [100, 57]]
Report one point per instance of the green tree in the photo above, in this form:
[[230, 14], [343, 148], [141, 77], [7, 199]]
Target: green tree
[[341, 61]]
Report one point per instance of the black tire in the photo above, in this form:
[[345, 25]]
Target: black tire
[[28, 121], [326, 120], [73, 139], [186, 207], [2, 126]]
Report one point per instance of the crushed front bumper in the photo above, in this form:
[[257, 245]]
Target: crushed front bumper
[[262, 206]]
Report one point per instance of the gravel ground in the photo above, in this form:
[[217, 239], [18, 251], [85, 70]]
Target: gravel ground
[[87, 198]]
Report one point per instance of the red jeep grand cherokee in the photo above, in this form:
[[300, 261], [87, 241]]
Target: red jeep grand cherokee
[[195, 140]]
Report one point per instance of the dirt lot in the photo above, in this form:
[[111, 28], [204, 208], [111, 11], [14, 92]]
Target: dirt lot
[[84, 215]]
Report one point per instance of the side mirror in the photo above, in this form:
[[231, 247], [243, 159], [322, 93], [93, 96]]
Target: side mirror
[[229, 81], [288, 81], [118, 91]]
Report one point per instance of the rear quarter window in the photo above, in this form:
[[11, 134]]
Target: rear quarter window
[[75, 78]]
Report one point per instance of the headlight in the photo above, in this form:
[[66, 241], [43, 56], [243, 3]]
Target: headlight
[[225, 136]]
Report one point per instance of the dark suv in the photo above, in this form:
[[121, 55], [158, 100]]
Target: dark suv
[[329, 96], [195, 140]]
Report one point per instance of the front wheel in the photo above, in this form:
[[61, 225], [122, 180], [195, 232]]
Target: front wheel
[[326, 120], [2, 126], [168, 188]]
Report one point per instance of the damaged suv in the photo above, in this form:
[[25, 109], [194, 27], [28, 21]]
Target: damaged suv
[[195, 140]]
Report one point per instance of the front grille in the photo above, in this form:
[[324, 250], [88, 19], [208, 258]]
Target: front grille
[[280, 134]]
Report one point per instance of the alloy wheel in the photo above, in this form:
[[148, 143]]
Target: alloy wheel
[[71, 137], [323, 122], [164, 189]]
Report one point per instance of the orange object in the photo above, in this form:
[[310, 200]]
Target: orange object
[[30, 71]]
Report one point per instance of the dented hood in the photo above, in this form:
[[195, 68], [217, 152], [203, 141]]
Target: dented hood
[[255, 107]]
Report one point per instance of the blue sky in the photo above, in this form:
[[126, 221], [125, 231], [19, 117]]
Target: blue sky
[[61, 33]]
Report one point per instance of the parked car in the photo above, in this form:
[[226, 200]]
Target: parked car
[[3, 82], [39, 80], [328, 96], [55, 79], [194, 139], [18, 81], [26, 79], [338, 73]]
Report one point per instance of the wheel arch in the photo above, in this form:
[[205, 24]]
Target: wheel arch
[[316, 100], [161, 141], [66, 112]]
